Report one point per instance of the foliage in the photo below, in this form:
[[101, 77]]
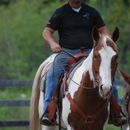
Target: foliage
[[22, 47], [118, 15]]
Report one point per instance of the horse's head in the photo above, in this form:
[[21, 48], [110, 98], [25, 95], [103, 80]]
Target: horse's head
[[104, 61]]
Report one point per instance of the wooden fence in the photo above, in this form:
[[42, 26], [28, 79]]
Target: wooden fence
[[20, 103], [14, 103]]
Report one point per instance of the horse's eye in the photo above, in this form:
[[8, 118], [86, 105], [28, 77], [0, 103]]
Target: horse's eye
[[95, 57]]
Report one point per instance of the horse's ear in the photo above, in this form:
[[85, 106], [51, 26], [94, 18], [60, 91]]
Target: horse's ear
[[115, 34], [125, 76], [95, 33]]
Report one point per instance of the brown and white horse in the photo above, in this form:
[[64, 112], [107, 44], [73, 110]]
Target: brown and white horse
[[85, 105], [127, 96]]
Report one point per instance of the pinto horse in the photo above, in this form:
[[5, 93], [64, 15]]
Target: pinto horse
[[127, 96], [85, 105]]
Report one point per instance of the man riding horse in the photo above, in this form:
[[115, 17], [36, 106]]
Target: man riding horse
[[74, 22]]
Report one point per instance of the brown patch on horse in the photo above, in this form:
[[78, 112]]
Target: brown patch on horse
[[96, 60], [113, 66], [90, 97], [113, 63], [88, 82]]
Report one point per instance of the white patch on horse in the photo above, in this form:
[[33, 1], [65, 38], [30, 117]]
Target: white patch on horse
[[87, 64], [65, 112], [76, 79], [106, 54]]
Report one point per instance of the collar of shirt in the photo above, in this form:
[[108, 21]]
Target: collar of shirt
[[77, 9], [69, 8]]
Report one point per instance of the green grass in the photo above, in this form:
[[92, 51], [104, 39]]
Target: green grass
[[112, 127]]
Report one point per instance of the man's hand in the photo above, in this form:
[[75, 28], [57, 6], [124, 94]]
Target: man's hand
[[55, 47]]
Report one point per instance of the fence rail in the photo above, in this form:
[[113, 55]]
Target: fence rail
[[20, 103], [10, 103], [14, 123], [14, 103], [15, 83]]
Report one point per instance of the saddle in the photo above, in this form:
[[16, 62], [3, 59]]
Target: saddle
[[56, 99]]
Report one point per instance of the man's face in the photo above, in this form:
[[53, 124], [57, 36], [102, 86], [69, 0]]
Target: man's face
[[75, 3]]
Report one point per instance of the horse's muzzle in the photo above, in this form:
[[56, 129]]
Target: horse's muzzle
[[105, 92]]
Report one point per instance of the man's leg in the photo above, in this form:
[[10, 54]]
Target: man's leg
[[53, 75], [115, 92], [114, 103], [116, 109]]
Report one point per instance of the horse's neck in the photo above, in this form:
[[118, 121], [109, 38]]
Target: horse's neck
[[83, 73]]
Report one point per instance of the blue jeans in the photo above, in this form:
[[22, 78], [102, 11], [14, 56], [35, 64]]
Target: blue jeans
[[57, 68], [115, 92]]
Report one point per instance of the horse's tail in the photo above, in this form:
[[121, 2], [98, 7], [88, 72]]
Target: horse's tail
[[34, 115]]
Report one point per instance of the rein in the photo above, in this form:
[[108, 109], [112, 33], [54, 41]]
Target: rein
[[89, 119], [70, 55], [80, 84]]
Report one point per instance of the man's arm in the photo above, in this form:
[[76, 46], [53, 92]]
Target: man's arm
[[104, 30], [48, 36]]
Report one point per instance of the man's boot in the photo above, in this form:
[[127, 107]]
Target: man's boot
[[117, 116], [49, 116]]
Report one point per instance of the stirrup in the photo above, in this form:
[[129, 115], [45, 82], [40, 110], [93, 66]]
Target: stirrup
[[47, 122]]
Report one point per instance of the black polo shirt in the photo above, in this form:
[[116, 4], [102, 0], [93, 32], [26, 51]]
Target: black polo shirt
[[75, 28]]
